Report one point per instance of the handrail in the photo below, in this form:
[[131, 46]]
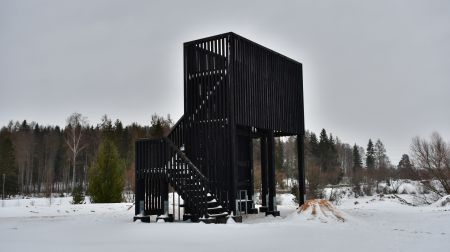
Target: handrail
[[176, 124], [201, 106], [196, 198], [185, 158]]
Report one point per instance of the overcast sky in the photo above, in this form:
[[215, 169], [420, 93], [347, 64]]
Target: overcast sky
[[378, 69]]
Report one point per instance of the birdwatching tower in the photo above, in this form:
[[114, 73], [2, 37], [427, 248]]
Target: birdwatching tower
[[235, 90]]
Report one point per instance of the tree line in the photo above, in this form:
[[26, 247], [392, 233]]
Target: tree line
[[41, 160], [329, 161]]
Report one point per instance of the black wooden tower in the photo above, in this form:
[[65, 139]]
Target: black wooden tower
[[235, 90]]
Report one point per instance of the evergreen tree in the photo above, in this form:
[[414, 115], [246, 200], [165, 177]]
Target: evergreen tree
[[323, 142], [323, 150], [332, 155], [405, 163], [106, 176], [24, 125], [159, 126], [327, 152], [106, 127], [78, 195], [370, 156], [8, 164], [314, 146], [406, 168], [357, 162]]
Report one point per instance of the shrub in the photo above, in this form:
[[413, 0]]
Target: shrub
[[367, 189], [78, 195]]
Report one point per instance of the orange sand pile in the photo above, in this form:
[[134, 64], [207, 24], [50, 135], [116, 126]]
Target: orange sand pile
[[320, 209]]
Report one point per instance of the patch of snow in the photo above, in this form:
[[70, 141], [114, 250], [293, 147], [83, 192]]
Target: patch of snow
[[286, 199], [230, 221]]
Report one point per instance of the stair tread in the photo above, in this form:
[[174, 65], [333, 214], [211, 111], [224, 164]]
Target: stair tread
[[217, 207], [218, 215]]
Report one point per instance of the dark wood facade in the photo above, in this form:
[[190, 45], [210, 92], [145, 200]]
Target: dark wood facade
[[234, 91]]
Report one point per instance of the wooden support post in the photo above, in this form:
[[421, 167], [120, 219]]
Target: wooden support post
[[251, 205], [264, 181], [232, 126], [234, 171], [301, 169], [173, 203], [271, 175], [179, 203]]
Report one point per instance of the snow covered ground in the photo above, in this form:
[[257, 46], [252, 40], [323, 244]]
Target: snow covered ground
[[372, 224]]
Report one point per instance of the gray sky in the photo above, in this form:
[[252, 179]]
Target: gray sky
[[378, 69]]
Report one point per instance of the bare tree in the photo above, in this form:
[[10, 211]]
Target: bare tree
[[76, 123], [434, 157]]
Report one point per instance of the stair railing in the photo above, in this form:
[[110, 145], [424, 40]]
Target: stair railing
[[182, 174]]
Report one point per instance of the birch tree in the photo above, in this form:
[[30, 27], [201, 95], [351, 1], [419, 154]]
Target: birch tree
[[76, 123]]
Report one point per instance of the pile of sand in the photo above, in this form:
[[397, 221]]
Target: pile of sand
[[319, 209]]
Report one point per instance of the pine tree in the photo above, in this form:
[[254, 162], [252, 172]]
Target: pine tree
[[314, 146], [323, 149], [327, 152], [332, 155], [405, 168], [323, 142], [106, 127], [157, 127], [8, 164], [106, 176], [357, 162], [405, 163], [370, 156]]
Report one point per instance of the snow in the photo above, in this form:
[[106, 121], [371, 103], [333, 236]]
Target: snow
[[407, 188], [376, 223], [443, 202]]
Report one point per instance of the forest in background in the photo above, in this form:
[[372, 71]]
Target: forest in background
[[41, 160]]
